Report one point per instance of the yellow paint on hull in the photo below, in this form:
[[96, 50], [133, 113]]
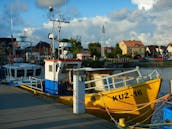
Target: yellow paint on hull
[[129, 102], [126, 98], [134, 103]]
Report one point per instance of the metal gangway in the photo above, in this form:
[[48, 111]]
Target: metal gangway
[[34, 83]]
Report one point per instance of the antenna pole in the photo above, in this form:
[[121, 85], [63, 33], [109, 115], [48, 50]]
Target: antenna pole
[[59, 20], [11, 23]]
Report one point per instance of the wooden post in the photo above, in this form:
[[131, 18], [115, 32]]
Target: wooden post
[[78, 92]]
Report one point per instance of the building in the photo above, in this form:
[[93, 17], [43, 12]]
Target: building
[[132, 48], [155, 51], [83, 55], [109, 51], [37, 53], [7, 49], [151, 51], [169, 49], [42, 48]]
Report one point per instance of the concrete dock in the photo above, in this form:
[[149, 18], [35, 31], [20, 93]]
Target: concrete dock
[[20, 109]]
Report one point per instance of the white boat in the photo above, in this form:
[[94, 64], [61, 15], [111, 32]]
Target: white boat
[[17, 73]]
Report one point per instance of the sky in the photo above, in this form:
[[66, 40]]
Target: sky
[[146, 20]]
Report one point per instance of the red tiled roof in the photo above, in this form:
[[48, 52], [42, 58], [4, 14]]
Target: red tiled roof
[[170, 44], [133, 43]]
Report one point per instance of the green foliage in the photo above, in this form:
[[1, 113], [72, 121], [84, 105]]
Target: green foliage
[[75, 45], [117, 51], [110, 55], [93, 63], [95, 49]]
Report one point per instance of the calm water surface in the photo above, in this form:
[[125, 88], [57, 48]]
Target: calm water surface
[[166, 74]]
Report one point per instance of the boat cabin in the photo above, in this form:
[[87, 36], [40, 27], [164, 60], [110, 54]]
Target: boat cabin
[[21, 72], [58, 74]]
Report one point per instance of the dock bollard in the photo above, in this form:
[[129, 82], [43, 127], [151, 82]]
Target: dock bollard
[[78, 92], [122, 122]]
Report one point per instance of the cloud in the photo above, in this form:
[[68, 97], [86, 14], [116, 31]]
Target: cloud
[[12, 19], [162, 5], [145, 4], [126, 25], [120, 14], [47, 3], [153, 26]]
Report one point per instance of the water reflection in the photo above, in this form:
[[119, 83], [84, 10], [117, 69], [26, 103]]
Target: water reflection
[[166, 75]]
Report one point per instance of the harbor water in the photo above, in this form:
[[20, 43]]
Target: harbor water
[[166, 75]]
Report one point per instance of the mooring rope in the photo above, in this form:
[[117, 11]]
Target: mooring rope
[[162, 99], [108, 112], [148, 117]]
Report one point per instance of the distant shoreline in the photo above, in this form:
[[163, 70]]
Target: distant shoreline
[[151, 64], [134, 63]]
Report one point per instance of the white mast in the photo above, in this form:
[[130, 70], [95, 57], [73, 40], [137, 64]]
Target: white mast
[[11, 25], [51, 36], [102, 42], [59, 20]]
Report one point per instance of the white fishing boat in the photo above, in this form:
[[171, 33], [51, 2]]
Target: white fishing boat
[[17, 73]]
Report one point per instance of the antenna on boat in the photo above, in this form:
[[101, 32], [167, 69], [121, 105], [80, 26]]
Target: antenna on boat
[[11, 25], [52, 35]]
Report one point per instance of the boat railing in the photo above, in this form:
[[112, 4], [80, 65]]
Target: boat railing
[[120, 80], [34, 83], [153, 75]]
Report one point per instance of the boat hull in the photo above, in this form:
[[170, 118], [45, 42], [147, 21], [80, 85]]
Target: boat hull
[[133, 103]]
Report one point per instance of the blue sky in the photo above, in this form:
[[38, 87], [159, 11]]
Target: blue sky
[[145, 20]]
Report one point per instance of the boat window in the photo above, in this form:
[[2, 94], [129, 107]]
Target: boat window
[[108, 83], [29, 72], [12, 72], [20, 73], [38, 72], [3, 72], [50, 68], [69, 66], [57, 67]]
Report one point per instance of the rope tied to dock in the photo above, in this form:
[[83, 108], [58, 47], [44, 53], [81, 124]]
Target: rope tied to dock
[[108, 112], [162, 99]]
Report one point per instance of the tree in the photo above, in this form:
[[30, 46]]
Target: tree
[[95, 49], [117, 51]]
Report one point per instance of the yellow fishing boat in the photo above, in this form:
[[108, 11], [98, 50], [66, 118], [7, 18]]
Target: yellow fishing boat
[[127, 95], [134, 103]]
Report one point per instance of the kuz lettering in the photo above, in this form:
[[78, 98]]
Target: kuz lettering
[[122, 96], [126, 95]]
